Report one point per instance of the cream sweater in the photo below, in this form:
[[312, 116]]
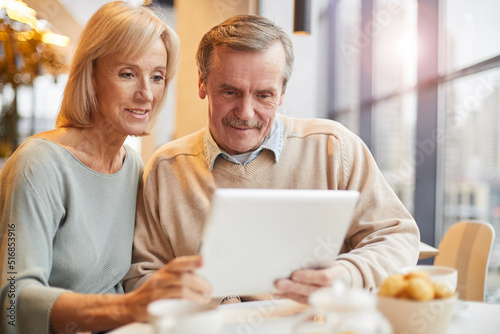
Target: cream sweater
[[316, 154]]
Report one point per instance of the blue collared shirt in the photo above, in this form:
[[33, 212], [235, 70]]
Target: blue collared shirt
[[272, 142]]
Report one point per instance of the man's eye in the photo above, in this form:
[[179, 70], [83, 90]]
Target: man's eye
[[229, 92], [264, 96]]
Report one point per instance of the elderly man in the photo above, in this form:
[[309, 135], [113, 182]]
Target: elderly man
[[244, 66]]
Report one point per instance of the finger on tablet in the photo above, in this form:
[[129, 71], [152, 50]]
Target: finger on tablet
[[184, 263]]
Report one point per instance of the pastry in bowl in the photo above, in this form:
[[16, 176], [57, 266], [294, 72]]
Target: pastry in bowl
[[413, 303]]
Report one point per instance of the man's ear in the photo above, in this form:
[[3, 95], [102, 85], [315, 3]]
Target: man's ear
[[202, 88], [282, 98]]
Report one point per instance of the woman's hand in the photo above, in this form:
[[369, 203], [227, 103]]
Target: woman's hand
[[174, 280], [75, 312]]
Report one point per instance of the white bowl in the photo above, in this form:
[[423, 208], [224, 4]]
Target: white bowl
[[180, 316], [438, 274], [417, 317]]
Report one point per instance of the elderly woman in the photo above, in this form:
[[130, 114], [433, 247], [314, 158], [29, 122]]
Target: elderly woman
[[68, 198]]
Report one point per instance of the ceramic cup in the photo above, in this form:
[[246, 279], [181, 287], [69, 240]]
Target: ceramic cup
[[437, 274], [178, 316]]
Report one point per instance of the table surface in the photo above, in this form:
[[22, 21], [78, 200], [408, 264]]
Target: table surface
[[279, 316], [426, 251]]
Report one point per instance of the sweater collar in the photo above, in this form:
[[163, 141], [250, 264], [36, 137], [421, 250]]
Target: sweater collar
[[273, 142]]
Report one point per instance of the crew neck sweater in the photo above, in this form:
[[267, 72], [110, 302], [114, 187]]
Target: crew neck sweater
[[71, 230], [316, 154]]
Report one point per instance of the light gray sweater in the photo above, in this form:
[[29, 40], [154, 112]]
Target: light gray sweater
[[63, 227]]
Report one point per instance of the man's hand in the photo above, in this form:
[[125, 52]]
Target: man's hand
[[303, 282], [230, 300]]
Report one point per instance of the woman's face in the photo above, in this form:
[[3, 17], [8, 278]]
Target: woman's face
[[128, 90]]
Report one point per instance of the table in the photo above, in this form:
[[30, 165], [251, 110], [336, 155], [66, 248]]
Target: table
[[426, 251], [279, 317]]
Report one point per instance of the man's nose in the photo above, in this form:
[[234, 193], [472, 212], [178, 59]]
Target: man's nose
[[245, 108]]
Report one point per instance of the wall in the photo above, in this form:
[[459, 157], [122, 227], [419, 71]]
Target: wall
[[307, 90], [194, 19]]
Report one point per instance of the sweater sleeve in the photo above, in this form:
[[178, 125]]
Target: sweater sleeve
[[152, 248], [383, 236], [30, 209]]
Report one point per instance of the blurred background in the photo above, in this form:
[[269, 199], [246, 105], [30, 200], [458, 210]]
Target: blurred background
[[417, 80]]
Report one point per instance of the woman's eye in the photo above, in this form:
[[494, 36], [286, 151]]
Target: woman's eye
[[158, 78], [127, 75]]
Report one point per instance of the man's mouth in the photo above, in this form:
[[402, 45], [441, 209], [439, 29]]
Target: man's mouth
[[242, 124]]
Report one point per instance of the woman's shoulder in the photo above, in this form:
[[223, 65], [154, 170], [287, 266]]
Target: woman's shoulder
[[35, 160], [36, 151]]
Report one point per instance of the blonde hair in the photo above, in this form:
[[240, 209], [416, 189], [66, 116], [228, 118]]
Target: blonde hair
[[117, 27], [245, 33]]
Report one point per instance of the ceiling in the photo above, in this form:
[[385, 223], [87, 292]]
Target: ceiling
[[68, 17]]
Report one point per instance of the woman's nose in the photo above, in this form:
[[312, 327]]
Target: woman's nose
[[143, 92]]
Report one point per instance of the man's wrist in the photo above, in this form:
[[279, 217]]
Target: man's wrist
[[225, 299]]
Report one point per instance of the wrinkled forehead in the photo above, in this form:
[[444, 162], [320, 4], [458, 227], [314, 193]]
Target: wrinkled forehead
[[273, 56]]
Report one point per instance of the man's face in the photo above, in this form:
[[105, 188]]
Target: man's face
[[244, 91]]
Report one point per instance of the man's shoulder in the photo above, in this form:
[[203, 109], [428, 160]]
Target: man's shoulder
[[189, 145], [302, 127]]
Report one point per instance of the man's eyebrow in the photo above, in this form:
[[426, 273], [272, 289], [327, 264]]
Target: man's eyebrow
[[228, 86], [264, 90], [268, 90]]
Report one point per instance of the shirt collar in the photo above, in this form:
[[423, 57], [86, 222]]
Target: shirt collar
[[272, 142]]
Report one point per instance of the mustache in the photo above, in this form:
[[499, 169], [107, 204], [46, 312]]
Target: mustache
[[236, 122]]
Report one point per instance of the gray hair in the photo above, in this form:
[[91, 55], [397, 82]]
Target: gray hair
[[244, 33]]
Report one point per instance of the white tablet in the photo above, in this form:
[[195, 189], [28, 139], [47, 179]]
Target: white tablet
[[255, 236]]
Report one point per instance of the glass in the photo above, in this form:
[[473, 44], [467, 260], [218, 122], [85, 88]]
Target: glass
[[394, 35], [469, 32], [394, 112], [471, 153], [339, 310], [394, 124], [35, 108], [347, 57]]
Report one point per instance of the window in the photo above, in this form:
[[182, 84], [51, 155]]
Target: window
[[430, 114], [471, 118], [394, 102]]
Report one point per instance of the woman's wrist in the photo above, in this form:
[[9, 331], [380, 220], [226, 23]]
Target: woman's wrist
[[80, 312]]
